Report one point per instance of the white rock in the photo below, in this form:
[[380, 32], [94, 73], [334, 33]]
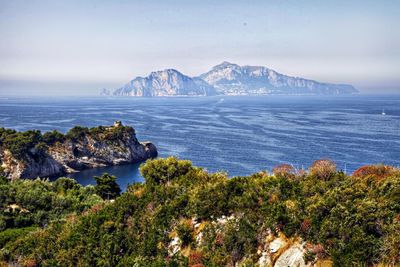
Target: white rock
[[275, 245], [291, 257]]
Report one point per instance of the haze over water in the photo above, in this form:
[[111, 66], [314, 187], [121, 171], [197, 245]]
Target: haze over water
[[240, 135]]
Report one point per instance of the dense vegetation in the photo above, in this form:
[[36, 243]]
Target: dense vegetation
[[26, 205], [354, 220], [33, 143]]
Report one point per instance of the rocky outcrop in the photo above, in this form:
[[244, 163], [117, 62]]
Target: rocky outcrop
[[280, 251], [95, 147]]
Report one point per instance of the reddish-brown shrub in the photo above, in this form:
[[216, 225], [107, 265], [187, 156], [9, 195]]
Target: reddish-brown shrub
[[30, 263], [219, 239], [378, 171], [323, 168], [284, 170], [301, 173], [305, 225], [150, 207], [196, 258], [94, 209], [273, 198], [319, 251]]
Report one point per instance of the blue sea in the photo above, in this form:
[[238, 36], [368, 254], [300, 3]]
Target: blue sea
[[239, 135]]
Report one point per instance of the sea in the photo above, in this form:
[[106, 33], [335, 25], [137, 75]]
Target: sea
[[239, 135]]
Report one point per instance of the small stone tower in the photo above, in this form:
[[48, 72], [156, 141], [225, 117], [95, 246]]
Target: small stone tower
[[117, 124]]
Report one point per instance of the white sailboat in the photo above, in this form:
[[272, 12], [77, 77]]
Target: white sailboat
[[383, 112]]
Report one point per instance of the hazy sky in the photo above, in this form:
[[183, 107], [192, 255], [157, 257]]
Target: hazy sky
[[68, 47]]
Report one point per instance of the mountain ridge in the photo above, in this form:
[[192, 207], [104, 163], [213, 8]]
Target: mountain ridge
[[168, 82], [226, 79]]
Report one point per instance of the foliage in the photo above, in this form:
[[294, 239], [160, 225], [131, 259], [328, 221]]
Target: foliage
[[185, 233], [77, 133], [353, 220], [284, 170], [20, 144], [107, 186], [162, 171], [13, 233], [377, 171], [53, 137], [28, 204], [323, 168], [118, 133]]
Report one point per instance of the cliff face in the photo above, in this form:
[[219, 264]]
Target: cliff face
[[232, 79], [96, 147], [165, 83]]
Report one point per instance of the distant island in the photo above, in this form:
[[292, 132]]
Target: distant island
[[31, 154], [226, 79]]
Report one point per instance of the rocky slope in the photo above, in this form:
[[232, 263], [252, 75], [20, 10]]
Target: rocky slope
[[81, 148], [226, 79], [165, 83], [232, 79]]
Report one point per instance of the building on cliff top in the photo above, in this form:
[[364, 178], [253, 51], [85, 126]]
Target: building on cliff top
[[117, 124]]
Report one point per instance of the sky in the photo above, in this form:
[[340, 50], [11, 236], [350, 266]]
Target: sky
[[78, 47]]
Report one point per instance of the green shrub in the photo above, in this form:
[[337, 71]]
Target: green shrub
[[185, 233], [21, 144], [77, 133], [161, 171], [107, 186], [354, 221], [53, 137], [12, 234]]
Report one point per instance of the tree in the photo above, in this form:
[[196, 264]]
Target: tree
[[378, 171], [77, 133], [284, 170], [162, 171], [52, 137], [21, 143], [107, 187], [323, 168]]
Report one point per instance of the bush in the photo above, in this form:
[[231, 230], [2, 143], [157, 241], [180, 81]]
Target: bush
[[107, 187], [185, 233], [377, 171], [77, 133], [53, 137], [118, 133], [284, 170], [352, 221], [21, 144], [323, 168], [161, 171], [29, 204], [64, 184]]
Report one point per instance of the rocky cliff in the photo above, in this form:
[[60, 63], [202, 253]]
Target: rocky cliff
[[165, 83], [232, 79], [30, 154], [226, 79]]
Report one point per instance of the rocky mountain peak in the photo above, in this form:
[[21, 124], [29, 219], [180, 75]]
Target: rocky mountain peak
[[224, 65], [232, 79], [169, 82]]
